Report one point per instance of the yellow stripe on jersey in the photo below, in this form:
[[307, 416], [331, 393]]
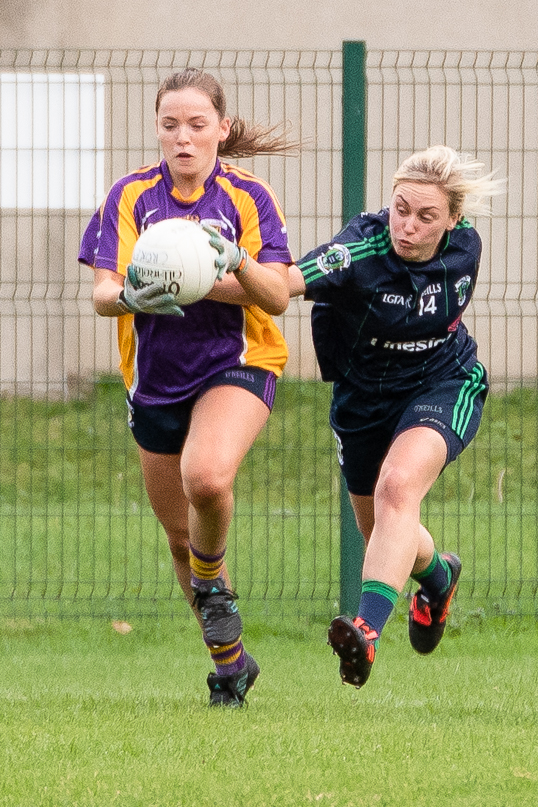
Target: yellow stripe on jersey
[[128, 235], [265, 345], [250, 222], [127, 232], [248, 177], [127, 348]]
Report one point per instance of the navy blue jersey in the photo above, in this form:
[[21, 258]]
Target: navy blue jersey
[[384, 324]]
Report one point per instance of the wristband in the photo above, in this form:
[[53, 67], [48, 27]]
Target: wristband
[[122, 303]]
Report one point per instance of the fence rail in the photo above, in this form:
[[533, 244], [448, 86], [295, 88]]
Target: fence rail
[[77, 529]]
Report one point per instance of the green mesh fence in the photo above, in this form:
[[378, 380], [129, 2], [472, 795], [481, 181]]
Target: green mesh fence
[[78, 535]]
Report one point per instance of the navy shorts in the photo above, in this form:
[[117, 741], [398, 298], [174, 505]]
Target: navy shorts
[[162, 429], [365, 428]]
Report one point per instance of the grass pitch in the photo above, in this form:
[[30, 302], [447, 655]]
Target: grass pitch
[[90, 717], [94, 718]]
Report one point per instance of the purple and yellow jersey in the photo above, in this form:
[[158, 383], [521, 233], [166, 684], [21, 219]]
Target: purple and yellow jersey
[[166, 358]]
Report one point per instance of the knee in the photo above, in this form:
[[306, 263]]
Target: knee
[[394, 488], [207, 486]]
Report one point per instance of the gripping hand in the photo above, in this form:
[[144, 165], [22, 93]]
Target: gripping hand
[[231, 258], [150, 299]]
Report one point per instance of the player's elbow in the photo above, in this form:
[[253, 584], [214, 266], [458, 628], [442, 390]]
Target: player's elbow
[[105, 305], [278, 304], [98, 302]]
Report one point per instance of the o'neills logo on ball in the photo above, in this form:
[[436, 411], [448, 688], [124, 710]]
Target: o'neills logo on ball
[[172, 288], [147, 273], [149, 256], [171, 275], [149, 269]]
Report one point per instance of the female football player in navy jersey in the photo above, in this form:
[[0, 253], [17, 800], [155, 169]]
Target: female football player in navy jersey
[[200, 382], [408, 391]]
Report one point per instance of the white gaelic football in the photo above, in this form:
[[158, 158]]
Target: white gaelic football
[[176, 255]]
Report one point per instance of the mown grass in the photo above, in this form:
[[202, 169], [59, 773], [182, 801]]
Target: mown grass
[[92, 718]]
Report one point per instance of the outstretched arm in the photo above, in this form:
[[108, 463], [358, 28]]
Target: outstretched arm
[[297, 284], [230, 290]]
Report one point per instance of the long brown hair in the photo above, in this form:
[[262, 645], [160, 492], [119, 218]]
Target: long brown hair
[[245, 139]]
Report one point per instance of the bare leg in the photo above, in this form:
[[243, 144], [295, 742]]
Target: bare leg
[[225, 422], [363, 507], [398, 544], [162, 477]]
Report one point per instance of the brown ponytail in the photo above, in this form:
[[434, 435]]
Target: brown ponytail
[[245, 139]]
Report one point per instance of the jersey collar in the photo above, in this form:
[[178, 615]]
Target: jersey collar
[[198, 193]]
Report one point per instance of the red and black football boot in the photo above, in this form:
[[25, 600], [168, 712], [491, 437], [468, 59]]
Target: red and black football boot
[[355, 643], [427, 620]]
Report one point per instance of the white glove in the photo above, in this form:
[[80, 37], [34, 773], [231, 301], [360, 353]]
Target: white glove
[[231, 258], [150, 299]]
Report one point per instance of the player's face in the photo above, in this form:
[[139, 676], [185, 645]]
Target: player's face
[[189, 131], [419, 217]]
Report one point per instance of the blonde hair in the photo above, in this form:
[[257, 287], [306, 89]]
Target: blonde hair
[[245, 139], [456, 174]]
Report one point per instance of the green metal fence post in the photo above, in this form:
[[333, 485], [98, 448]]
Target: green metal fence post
[[353, 202]]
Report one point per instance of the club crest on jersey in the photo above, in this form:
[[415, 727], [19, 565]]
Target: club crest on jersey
[[462, 287], [336, 258]]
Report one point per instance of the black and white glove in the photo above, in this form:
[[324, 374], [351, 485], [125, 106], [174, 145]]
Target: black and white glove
[[231, 258], [151, 299]]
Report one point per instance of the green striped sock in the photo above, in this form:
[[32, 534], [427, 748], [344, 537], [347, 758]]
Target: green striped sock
[[436, 578], [377, 603]]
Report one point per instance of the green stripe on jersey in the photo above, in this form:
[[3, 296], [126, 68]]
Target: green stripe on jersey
[[463, 410], [375, 245]]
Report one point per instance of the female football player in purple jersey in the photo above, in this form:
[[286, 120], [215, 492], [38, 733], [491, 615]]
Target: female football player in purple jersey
[[200, 382], [408, 391]]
